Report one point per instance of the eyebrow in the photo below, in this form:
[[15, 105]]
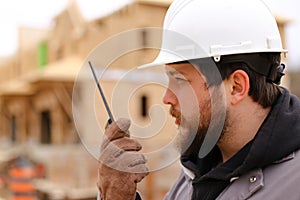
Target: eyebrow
[[173, 72]]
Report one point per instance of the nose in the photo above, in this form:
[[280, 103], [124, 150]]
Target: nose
[[170, 98]]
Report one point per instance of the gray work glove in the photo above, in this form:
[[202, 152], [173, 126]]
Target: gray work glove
[[121, 166]]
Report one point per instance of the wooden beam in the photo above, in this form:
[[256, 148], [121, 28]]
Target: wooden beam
[[64, 99]]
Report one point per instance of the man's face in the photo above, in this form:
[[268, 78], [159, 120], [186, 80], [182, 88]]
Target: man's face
[[190, 101]]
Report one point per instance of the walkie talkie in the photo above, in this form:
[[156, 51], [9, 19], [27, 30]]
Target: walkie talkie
[[111, 118]]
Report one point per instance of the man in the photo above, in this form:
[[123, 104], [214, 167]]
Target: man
[[247, 136]]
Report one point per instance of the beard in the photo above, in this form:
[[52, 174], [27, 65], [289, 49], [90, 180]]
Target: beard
[[195, 126], [191, 134]]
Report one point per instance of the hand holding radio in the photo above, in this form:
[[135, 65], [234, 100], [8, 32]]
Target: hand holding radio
[[121, 166]]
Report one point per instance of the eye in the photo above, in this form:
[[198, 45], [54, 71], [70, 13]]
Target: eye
[[179, 79], [176, 77]]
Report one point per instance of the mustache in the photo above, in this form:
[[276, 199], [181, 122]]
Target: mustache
[[175, 113]]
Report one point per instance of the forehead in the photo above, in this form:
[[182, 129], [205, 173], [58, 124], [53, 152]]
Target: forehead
[[186, 69]]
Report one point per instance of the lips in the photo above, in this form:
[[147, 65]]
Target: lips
[[177, 121]]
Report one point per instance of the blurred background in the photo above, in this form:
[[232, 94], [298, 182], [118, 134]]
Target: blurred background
[[43, 45]]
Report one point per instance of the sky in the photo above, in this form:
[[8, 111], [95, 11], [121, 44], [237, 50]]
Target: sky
[[39, 14]]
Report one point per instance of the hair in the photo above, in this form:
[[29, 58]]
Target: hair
[[262, 90]]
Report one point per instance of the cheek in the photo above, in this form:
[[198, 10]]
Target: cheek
[[204, 103], [202, 94], [188, 101]]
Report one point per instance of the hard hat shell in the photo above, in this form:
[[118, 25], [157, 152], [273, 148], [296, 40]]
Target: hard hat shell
[[213, 28]]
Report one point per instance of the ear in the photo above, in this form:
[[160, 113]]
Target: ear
[[239, 86]]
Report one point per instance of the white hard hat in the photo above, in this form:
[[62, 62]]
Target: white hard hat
[[212, 28]]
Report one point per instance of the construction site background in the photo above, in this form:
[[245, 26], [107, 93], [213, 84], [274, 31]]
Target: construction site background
[[36, 117]]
